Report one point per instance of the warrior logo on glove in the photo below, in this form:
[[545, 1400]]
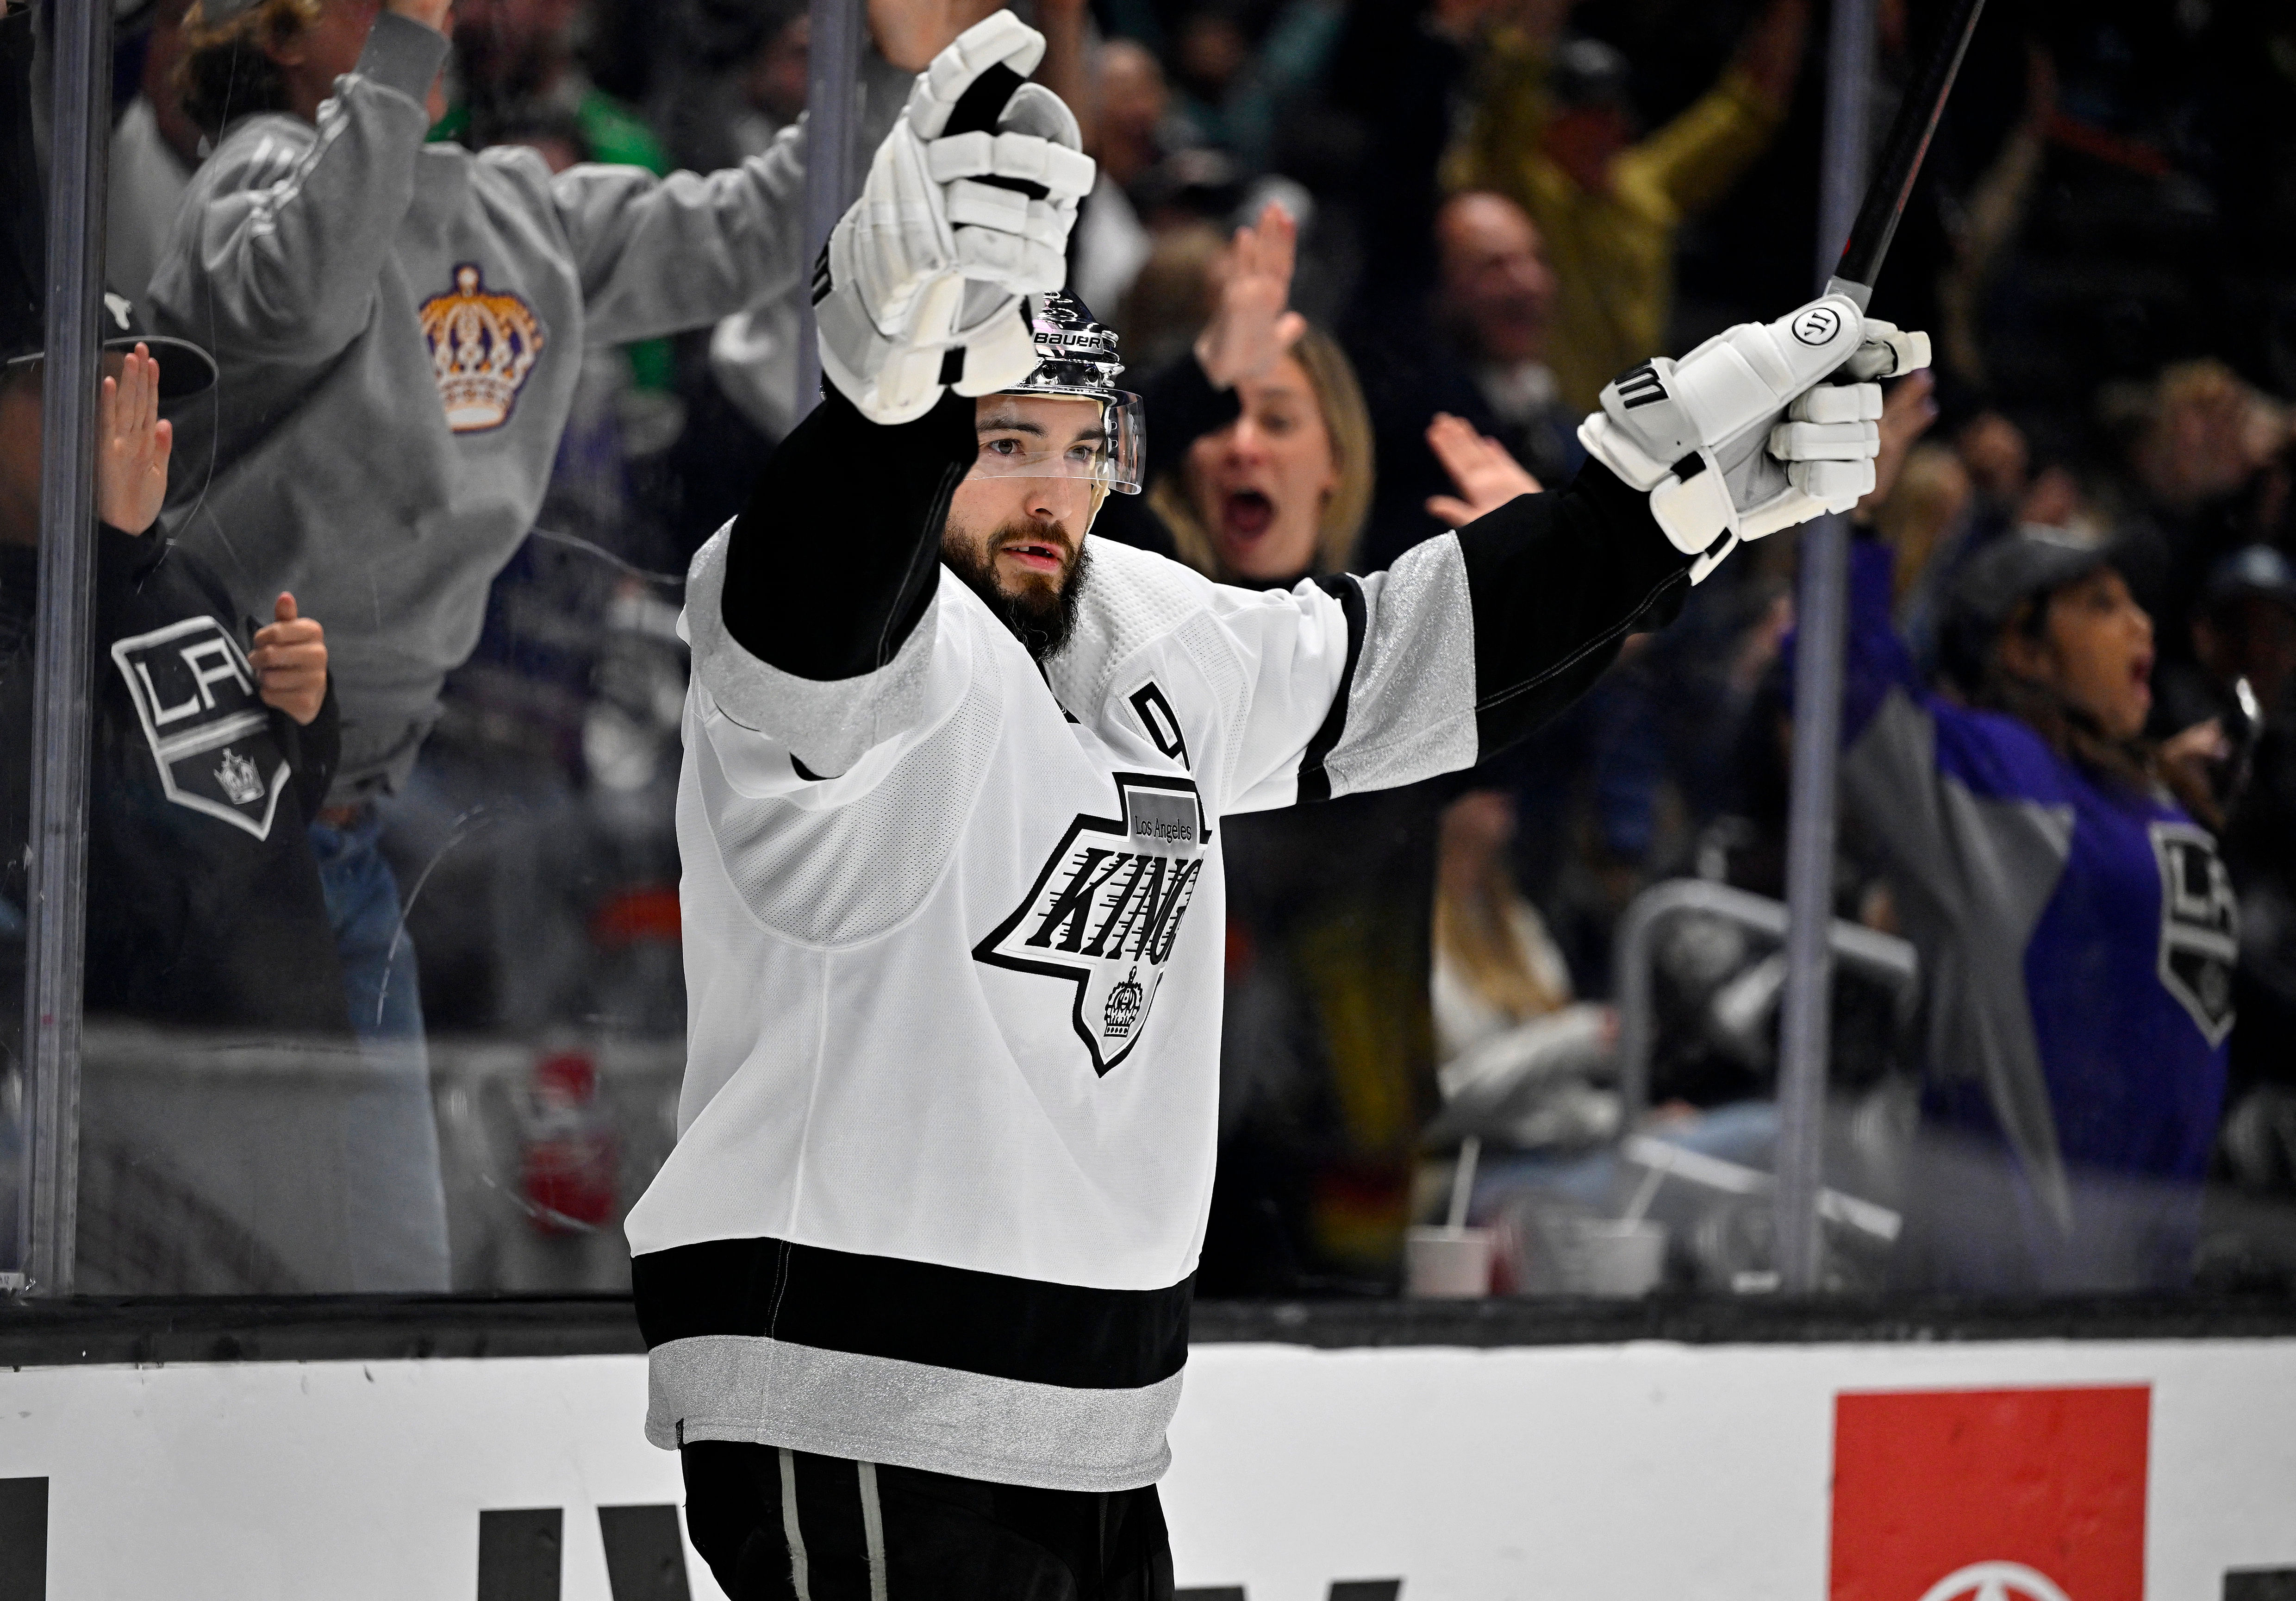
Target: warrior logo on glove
[[1762, 427], [1106, 909], [1817, 325]]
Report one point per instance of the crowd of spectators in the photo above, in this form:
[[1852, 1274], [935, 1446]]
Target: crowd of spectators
[[1457, 218]]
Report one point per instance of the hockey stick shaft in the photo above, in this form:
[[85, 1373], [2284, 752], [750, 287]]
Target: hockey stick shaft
[[1901, 158]]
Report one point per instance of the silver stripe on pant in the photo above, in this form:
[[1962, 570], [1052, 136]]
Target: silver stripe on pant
[[873, 1529], [799, 1575]]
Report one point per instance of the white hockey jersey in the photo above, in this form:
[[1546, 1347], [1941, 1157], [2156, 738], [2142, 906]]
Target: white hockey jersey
[[947, 1128]]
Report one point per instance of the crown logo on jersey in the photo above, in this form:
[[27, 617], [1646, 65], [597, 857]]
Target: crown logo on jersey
[[238, 779], [482, 346], [1124, 1004]]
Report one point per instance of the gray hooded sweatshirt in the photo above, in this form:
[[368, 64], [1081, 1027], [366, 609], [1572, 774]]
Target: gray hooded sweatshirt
[[399, 328]]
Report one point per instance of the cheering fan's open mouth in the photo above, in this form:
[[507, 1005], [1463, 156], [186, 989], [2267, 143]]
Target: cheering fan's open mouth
[[1247, 513]]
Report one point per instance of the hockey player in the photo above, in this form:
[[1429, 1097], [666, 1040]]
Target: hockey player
[[916, 1279]]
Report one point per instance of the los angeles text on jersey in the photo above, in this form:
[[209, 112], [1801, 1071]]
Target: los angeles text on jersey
[[1106, 908]]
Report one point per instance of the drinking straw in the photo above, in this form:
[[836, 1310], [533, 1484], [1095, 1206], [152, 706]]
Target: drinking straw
[[1462, 1182], [1649, 1191]]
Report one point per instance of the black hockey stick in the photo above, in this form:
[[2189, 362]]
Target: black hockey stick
[[1901, 158]]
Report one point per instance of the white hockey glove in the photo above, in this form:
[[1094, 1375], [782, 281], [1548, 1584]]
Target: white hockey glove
[[922, 285], [1743, 436]]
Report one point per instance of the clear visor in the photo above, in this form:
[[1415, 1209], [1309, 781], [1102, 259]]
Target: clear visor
[[1036, 434]]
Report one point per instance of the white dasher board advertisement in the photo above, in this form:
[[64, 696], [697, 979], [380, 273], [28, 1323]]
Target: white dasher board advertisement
[[2026, 1471]]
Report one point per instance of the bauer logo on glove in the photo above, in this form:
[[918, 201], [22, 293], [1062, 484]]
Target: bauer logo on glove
[[1762, 427]]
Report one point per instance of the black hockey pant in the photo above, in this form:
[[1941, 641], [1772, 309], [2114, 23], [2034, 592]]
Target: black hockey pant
[[782, 1525]]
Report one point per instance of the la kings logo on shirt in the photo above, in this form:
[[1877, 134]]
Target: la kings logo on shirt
[[2199, 926], [195, 695], [1106, 908]]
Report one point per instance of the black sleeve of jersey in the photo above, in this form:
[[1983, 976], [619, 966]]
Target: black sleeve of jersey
[[838, 552], [1556, 582]]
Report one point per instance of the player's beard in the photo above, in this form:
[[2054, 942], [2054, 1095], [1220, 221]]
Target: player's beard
[[1042, 613]]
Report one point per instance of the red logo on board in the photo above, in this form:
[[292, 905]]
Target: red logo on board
[[1990, 1495]]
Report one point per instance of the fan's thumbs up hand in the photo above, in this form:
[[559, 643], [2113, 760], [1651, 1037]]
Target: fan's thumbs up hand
[[290, 658]]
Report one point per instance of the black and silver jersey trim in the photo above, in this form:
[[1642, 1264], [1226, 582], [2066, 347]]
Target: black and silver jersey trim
[[878, 1358], [1314, 781]]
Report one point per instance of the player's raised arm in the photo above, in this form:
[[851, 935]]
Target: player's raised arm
[[811, 616], [1473, 639]]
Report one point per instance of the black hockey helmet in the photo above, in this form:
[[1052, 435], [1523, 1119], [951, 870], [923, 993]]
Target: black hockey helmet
[[185, 369], [1076, 356], [1075, 353]]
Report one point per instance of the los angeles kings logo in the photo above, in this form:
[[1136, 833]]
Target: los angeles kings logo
[[203, 716], [1106, 908], [2199, 926]]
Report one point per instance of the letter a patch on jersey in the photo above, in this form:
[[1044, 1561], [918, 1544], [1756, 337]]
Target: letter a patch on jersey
[[203, 715], [1106, 909], [2199, 926]]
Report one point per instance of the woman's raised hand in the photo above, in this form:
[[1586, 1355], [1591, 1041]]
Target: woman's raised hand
[[1488, 477], [1253, 327]]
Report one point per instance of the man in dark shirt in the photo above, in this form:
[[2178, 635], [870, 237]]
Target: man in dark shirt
[[1478, 350]]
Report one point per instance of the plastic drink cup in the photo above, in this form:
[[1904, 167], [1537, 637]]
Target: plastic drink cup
[[1448, 1263], [1614, 1258]]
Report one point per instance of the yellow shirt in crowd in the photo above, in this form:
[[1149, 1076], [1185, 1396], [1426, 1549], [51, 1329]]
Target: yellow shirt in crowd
[[1613, 255]]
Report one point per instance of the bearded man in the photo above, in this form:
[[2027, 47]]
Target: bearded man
[[915, 1281]]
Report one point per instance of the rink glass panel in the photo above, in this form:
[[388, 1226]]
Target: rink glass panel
[[503, 1081], [18, 639]]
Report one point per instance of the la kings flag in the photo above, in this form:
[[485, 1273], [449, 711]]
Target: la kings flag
[[195, 695], [1106, 908]]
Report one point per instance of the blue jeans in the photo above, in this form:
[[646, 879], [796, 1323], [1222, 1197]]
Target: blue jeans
[[395, 1200]]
